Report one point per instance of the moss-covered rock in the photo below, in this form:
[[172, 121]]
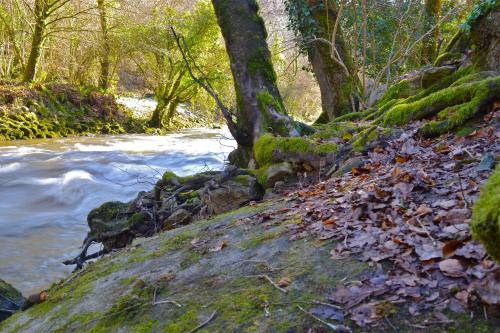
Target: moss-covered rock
[[11, 300], [270, 149], [486, 216]]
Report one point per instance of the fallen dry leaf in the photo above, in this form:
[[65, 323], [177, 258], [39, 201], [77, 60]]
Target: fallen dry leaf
[[451, 267], [284, 282], [222, 244]]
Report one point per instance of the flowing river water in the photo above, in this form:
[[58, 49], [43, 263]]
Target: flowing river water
[[47, 188]]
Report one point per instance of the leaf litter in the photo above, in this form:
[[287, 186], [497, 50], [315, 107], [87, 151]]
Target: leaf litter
[[407, 212]]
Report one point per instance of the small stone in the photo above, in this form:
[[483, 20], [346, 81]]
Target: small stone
[[487, 163], [355, 162]]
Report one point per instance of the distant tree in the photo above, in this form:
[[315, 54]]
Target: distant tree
[[317, 24], [430, 42], [105, 49]]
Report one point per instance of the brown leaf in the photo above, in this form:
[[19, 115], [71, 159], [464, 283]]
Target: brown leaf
[[222, 244], [445, 204], [284, 282], [451, 267], [402, 159], [423, 209], [450, 247], [360, 171]]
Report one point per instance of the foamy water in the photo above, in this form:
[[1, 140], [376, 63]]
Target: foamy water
[[47, 188]]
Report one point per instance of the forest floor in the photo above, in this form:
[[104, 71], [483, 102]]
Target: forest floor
[[384, 248]]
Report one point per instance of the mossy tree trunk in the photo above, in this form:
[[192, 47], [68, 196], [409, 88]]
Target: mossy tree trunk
[[478, 40], [337, 87], [260, 108], [41, 14], [430, 42], [105, 47]]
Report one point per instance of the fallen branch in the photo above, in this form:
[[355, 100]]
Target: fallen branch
[[336, 328], [263, 276], [212, 316], [155, 302]]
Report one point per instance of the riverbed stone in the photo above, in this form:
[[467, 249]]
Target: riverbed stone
[[11, 300], [278, 172], [354, 162], [178, 218], [233, 194]]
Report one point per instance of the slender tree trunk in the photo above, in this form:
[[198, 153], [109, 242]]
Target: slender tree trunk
[[429, 44], [158, 113], [172, 108], [260, 107], [105, 47], [337, 88], [36, 41]]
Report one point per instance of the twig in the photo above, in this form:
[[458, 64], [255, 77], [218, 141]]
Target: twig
[[264, 276], [426, 231], [462, 190], [7, 311], [167, 301], [212, 316], [327, 304], [336, 328]]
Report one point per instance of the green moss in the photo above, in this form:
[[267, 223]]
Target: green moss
[[326, 148], [342, 130], [174, 243], [259, 61], [168, 176], [457, 105], [402, 89], [264, 147], [129, 281], [261, 238], [486, 216], [190, 258]]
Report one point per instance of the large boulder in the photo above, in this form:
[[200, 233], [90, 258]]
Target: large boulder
[[11, 300]]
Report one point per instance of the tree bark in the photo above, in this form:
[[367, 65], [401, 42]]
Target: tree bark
[[336, 86], [105, 48], [429, 44], [36, 41], [260, 108]]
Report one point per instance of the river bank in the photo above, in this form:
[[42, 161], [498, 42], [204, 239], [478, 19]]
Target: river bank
[[57, 110], [48, 187], [346, 254]]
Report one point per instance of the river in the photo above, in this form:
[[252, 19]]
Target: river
[[47, 188]]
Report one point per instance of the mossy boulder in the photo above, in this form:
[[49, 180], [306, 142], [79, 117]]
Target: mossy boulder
[[270, 149], [115, 224], [11, 300], [486, 216]]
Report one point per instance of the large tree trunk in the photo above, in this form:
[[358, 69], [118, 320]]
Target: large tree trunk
[[36, 41], [479, 42], [105, 48], [260, 107], [337, 87], [429, 43]]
